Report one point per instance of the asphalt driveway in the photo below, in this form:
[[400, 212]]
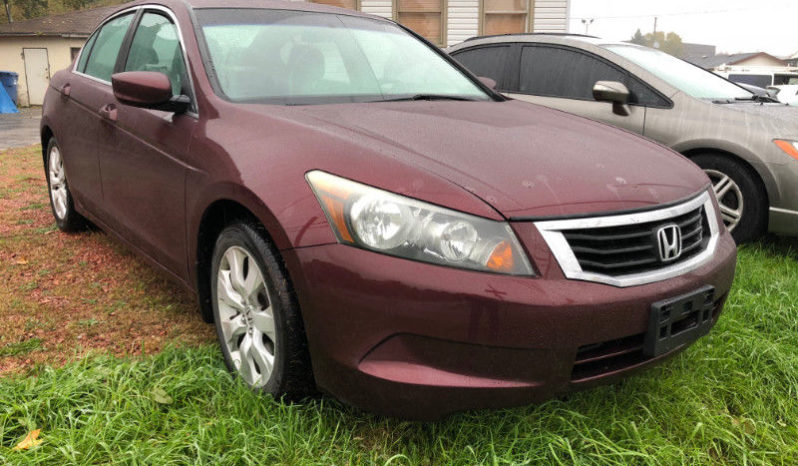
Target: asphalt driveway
[[20, 129]]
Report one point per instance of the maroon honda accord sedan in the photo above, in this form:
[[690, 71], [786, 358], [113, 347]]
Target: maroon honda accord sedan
[[360, 215]]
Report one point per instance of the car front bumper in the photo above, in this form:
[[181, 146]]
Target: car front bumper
[[420, 341]]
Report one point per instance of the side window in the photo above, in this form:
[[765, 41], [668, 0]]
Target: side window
[[485, 61], [643, 95], [84, 56], [105, 49], [156, 47], [560, 72]]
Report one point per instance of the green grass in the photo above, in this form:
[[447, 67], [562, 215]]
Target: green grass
[[22, 347], [732, 398]]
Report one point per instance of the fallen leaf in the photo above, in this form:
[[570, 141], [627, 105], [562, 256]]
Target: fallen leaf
[[160, 396], [30, 440], [20, 261]]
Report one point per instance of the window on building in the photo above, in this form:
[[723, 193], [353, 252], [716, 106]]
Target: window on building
[[73, 53], [351, 4], [505, 16], [425, 17]]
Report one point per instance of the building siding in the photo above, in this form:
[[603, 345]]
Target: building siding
[[382, 8], [463, 20], [551, 15]]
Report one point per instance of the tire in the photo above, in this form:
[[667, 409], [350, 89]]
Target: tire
[[265, 329], [735, 187], [61, 202]]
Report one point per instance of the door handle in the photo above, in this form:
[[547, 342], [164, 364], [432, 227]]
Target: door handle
[[66, 90], [108, 111]]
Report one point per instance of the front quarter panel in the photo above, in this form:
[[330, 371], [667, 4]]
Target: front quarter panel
[[693, 125], [260, 161]]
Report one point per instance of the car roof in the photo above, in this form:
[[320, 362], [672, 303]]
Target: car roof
[[576, 40], [251, 4]]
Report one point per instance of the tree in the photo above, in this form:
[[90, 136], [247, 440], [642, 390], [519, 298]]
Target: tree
[[638, 38], [31, 8], [667, 42], [78, 4]]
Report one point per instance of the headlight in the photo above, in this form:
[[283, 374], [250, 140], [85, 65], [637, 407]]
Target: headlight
[[789, 147], [381, 221]]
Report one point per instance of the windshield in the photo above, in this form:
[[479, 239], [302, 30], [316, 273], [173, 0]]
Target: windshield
[[688, 78], [299, 57]]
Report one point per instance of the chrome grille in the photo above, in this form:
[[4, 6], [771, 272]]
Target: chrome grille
[[630, 249], [625, 249]]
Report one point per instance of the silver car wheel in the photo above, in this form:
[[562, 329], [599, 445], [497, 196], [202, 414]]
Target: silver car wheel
[[58, 188], [245, 316], [730, 198]]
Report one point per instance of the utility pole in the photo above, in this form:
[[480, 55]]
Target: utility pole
[[8, 11], [587, 22], [655, 24]]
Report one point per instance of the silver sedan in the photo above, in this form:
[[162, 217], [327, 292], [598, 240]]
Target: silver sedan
[[746, 144]]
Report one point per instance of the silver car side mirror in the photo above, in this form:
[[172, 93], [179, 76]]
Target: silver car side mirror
[[614, 92]]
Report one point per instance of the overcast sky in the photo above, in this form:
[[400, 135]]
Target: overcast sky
[[732, 25]]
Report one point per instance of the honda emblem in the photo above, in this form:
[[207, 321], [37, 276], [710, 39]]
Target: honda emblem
[[669, 240]]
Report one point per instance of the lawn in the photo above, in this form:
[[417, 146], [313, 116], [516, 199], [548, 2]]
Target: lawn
[[112, 363]]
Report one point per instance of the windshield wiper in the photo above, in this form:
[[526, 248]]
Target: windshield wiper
[[427, 97], [757, 98]]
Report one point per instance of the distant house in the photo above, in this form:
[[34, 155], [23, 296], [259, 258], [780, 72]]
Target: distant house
[[792, 60], [695, 52], [724, 61], [38, 47]]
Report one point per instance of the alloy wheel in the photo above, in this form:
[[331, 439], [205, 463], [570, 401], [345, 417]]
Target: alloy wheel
[[58, 188], [730, 198], [246, 316]]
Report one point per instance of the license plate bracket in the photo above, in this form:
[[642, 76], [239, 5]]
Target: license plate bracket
[[676, 321]]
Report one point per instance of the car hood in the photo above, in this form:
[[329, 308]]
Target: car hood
[[772, 114], [522, 159]]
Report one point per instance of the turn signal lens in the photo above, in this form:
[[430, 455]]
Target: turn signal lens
[[385, 222], [789, 147], [501, 258]]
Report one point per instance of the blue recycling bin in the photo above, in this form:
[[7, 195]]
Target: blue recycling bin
[[9, 79]]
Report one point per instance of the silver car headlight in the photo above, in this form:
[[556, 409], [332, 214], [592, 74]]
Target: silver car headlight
[[385, 222]]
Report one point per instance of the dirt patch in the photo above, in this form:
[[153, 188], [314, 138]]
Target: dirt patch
[[62, 296]]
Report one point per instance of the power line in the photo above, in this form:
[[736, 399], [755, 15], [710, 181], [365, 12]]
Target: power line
[[681, 13]]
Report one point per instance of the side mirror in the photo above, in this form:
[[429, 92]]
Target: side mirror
[[491, 83], [614, 92], [148, 89]]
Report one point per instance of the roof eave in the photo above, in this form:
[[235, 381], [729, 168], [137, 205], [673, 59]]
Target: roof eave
[[65, 35]]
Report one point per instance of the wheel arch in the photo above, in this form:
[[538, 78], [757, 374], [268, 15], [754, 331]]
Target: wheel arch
[[761, 176], [45, 134], [214, 218]]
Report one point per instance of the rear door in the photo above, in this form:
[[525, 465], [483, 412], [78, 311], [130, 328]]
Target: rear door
[[81, 95], [563, 78], [489, 61], [143, 152]]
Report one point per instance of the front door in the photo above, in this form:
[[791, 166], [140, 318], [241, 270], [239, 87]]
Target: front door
[[143, 151], [37, 74], [563, 78]]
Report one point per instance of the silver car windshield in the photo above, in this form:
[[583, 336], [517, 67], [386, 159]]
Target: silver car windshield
[[688, 78], [299, 58]]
